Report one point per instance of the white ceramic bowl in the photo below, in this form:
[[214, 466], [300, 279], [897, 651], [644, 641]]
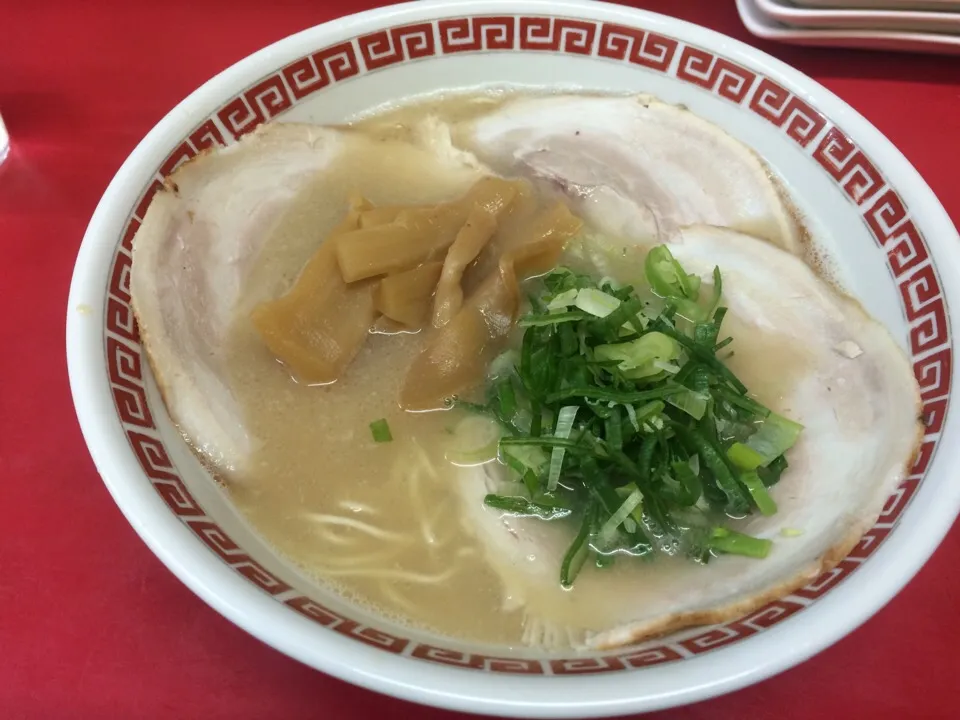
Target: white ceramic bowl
[[891, 240]]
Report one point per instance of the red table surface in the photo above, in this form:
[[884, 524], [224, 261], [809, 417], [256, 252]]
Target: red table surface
[[91, 624]]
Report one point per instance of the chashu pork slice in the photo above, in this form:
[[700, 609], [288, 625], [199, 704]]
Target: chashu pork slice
[[637, 168], [199, 241]]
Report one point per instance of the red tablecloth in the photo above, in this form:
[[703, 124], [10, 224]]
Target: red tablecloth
[[91, 624]]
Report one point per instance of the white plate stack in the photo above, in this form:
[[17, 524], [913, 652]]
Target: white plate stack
[[931, 26]]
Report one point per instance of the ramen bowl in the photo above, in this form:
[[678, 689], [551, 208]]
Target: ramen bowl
[[888, 239]]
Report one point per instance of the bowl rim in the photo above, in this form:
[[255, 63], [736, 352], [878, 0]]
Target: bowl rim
[[724, 670]]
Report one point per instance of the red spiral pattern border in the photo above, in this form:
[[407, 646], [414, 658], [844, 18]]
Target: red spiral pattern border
[[882, 209]]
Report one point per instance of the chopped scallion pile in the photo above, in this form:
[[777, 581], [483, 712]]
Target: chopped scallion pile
[[628, 425]]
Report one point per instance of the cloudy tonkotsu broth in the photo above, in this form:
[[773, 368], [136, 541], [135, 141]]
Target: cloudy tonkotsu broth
[[384, 522]]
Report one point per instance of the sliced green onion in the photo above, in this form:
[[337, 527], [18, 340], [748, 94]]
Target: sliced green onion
[[627, 317], [689, 479], [649, 411], [717, 292], [531, 482], [564, 299], [667, 277], [710, 457], [578, 551], [744, 456], [526, 462], [596, 302], [607, 281], [791, 532], [705, 333], [671, 368], [743, 402], [540, 442], [380, 431], [508, 399], [635, 323], [613, 429], [641, 353], [704, 355], [722, 344], [772, 472], [536, 418], [734, 543], [521, 507], [523, 457], [692, 403], [700, 379], [608, 531], [551, 319], [632, 414], [758, 491], [568, 340], [688, 309], [637, 515], [776, 435], [596, 393], [565, 419]]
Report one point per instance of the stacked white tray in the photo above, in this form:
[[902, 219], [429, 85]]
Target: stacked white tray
[[912, 25]]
